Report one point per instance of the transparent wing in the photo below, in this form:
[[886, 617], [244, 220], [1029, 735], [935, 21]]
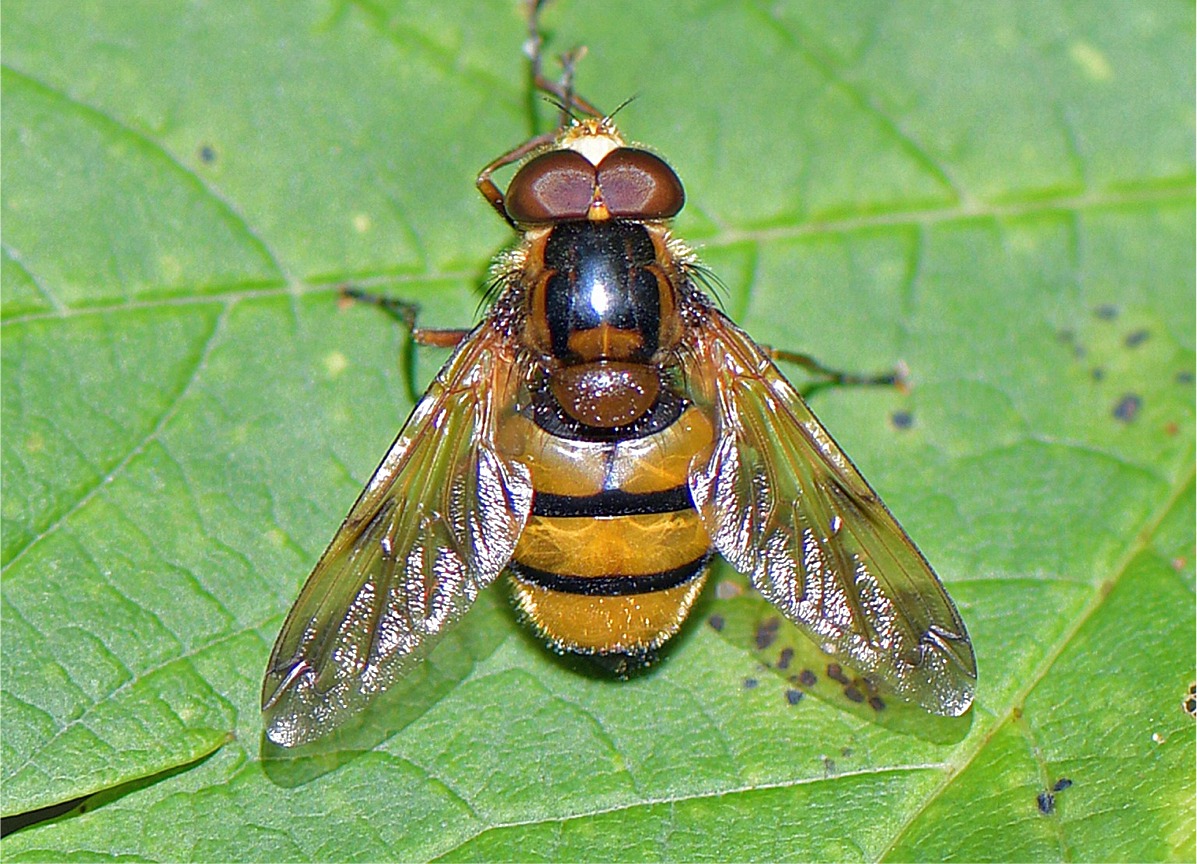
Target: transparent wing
[[435, 525], [784, 505]]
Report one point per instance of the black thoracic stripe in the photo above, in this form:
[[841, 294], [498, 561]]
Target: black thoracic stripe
[[613, 502], [610, 586]]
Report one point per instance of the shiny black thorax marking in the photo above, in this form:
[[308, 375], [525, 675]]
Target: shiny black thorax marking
[[601, 276]]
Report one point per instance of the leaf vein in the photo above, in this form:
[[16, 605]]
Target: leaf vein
[[169, 410]]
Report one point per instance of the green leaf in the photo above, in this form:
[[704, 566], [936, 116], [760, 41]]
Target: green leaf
[[999, 195]]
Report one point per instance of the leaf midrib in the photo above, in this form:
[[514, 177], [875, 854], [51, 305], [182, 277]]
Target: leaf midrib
[[1101, 590]]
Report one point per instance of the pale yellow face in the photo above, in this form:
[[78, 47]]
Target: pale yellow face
[[594, 138]]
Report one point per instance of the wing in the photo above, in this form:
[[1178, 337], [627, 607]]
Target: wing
[[784, 505], [435, 525]]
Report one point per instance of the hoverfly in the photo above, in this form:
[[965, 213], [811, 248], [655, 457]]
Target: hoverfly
[[599, 437]]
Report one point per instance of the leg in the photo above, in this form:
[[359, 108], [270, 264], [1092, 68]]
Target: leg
[[405, 312], [565, 99], [487, 187], [899, 377], [563, 90]]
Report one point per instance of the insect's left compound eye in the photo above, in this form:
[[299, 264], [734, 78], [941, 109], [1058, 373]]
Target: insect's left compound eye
[[638, 185], [554, 187]]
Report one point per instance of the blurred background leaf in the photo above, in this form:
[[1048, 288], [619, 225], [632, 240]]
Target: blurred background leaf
[[1000, 195]]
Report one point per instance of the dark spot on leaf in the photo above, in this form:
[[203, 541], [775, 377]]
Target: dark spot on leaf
[[1128, 408], [766, 634], [902, 419], [808, 678], [876, 704], [1106, 312], [1190, 701], [853, 694], [207, 154], [716, 622], [1061, 784], [1066, 336], [750, 683], [783, 660], [1136, 338], [1184, 377], [1047, 803], [793, 696], [836, 673], [1097, 373]]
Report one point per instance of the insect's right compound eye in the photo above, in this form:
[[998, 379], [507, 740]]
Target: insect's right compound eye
[[557, 186], [638, 185]]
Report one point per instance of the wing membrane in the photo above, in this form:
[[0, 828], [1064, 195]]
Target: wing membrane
[[784, 505], [435, 525]]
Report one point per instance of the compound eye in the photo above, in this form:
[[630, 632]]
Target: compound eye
[[554, 187], [638, 185]]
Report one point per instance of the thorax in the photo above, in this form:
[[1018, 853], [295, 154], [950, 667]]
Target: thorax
[[602, 317]]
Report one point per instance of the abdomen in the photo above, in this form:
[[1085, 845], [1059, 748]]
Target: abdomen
[[614, 554]]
